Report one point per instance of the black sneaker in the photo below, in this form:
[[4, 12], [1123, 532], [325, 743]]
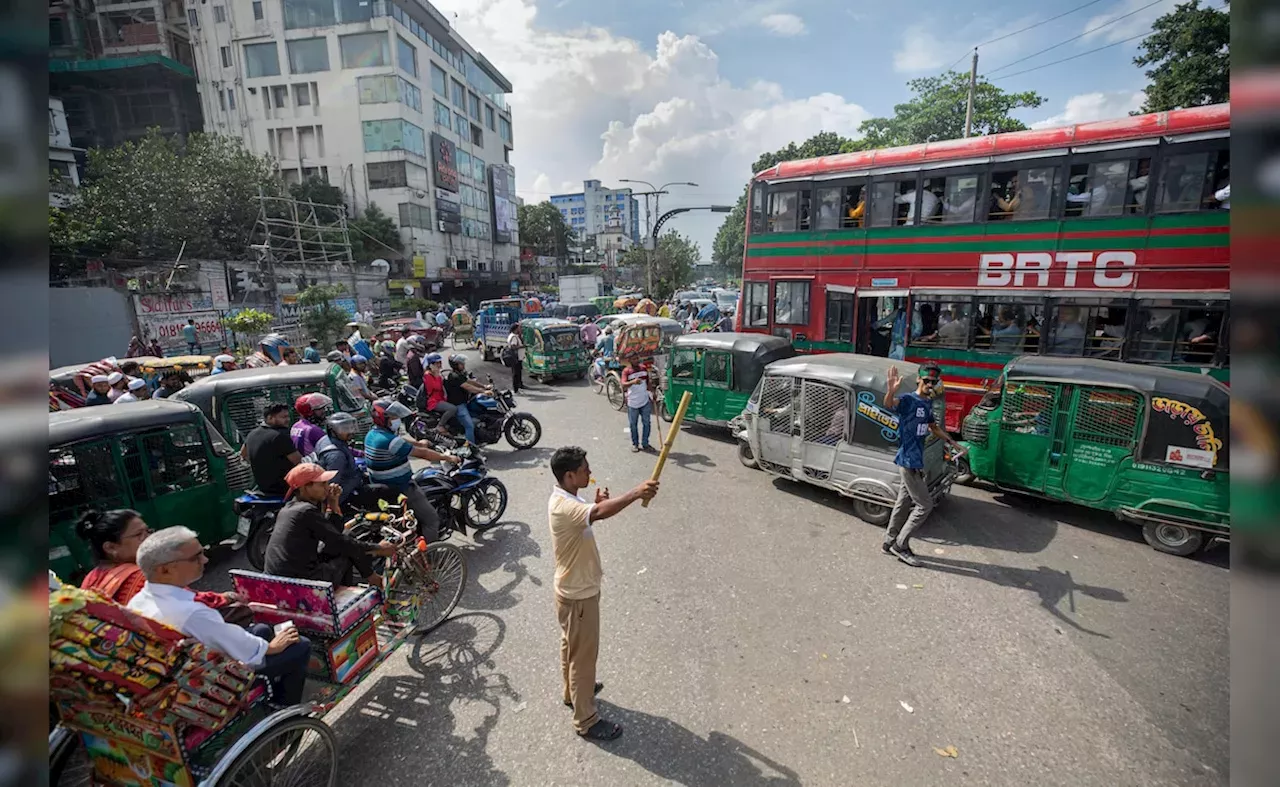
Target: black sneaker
[[905, 555], [886, 548]]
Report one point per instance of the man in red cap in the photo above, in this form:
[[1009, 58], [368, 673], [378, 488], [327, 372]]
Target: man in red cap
[[313, 517]]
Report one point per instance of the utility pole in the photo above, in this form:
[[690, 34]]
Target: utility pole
[[973, 83]]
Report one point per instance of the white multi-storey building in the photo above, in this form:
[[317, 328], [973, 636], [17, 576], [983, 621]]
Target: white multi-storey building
[[597, 211], [383, 99]]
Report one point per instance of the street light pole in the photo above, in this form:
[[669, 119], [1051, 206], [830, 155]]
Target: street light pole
[[657, 209]]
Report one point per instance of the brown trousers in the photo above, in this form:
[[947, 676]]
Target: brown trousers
[[579, 647]]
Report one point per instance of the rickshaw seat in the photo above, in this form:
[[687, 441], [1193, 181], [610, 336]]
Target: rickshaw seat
[[319, 608], [172, 686]]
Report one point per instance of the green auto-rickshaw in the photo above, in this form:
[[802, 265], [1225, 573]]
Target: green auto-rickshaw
[[160, 457], [1146, 443], [720, 370], [553, 348], [234, 401], [605, 304]]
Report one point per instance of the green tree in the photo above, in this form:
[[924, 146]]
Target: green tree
[[322, 319], [248, 323], [373, 234], [937, 112], [673, 264], [146, 198], [543, 229], [1188, 51], [315, 190]]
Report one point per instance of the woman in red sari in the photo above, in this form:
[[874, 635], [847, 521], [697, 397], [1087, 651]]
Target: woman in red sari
[[114, 537]]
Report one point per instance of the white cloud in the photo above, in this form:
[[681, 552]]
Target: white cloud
[[1088, 107], [920, 51], [784, 24], [1127, 27], [589, 104]]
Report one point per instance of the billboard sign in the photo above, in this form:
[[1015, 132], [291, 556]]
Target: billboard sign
[[444, 160], [504, 206]]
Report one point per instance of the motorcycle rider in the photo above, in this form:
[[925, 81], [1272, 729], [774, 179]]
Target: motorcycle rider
[[413, 363], [334, 452], [357, 378], [388, 367], [269, 352], [312, 409], [459, 389], [433, 391], [386, 455]]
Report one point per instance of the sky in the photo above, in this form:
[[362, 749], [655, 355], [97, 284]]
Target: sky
[[695, 90]]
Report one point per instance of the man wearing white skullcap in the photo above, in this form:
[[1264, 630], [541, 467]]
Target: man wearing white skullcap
[[99, 390], [117, 381], [137, 392]]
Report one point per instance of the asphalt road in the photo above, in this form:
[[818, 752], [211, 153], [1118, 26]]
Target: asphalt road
[[753, 634]]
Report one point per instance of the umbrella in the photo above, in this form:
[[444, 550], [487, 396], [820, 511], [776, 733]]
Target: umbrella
[[646, 306]]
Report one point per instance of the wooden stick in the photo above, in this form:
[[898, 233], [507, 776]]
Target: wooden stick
[[685, 399]]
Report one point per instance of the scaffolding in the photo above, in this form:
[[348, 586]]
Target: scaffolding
[[301, 231]]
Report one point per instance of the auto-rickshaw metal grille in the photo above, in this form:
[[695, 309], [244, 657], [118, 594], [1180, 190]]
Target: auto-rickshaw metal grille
[[975, 428], [239, 473], [1108, 417], [83, 475], [177, 458], [826, 414], [777, 404], [1029, 408]]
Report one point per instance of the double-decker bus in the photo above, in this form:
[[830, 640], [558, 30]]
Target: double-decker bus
[[1102, 240]]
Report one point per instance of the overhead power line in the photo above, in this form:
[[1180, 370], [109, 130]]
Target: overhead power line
[[1073, 57], [1025, 29], [1108, 23]]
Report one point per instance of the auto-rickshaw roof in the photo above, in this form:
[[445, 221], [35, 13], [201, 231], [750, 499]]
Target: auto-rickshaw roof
[[864, 371], [86, 423], [666, 323], [753, 343], [1094, 371], [547, 323], [202, 391]]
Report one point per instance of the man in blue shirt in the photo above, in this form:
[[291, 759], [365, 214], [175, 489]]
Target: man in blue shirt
[[386, 457], [312, 353], [190, 336], [915, 421]]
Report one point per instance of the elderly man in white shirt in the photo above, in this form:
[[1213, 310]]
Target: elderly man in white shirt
[[171, 559], [928, 204]]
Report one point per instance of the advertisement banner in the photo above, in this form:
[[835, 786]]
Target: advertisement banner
[[504, 206], [168, 329], [419, 267], [183, 303], [444, 160]]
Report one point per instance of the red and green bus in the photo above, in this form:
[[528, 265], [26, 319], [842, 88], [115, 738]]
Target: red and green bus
[[1106, 240]]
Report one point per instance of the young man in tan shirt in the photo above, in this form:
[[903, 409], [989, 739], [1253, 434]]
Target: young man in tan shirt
[[577, 582]]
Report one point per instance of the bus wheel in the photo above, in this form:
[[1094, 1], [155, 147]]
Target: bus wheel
[[1173, 539], [871, 513], [745, 456]]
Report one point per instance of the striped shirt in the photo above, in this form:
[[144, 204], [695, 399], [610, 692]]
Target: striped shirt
[[386, 455]]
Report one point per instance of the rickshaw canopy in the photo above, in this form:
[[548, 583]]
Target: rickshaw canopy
[[751, 352], [87, 423]]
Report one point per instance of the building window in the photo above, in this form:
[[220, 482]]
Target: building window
[[193, 18], [222, 101], [365, 50], [308, 55], [406, 56], [261, 60], [756, 304], [477, 169], [257, 10], [308, 13], [225, 54], [459, 94], [791, 303], [438, 81], [474, 103], [386, 175], [412, 215], [354, 11], [280, 96], [461, 126], [463, 163], [219, 14], [477, 135], [490, 118], [148, 109], [504, 129], [231, 99], [839, 317], [443, 115], [302, 95], [396, 134]]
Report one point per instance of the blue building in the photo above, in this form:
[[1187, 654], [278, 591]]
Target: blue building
[[596, 210]]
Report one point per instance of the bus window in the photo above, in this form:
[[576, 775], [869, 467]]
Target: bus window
[[893, 202], [1154, 335], [931, 194], [784, 210], [755, 300], [1010, 328], [951, 321], [830, 201], [1171, 332], [757, 209], [1093, 328], [882, 326], [960, 199], [855, 206], [1108, 188], [1183, 180], [1219, 197], [791, 303], [805, 209], [1021, 194], [839, 317]]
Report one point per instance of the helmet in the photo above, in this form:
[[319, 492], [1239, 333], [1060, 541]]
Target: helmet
[[388, 347], [335, 357], [457, 361], [358, 360], [272, 345], [341, 425], [418, 342], [313, 406], [433, 358], [387, 410]]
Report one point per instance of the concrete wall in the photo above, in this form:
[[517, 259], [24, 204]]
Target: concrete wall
[[87, 323]]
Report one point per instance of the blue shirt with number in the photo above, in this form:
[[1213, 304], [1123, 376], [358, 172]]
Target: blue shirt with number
[[386, 456], [915, 416]]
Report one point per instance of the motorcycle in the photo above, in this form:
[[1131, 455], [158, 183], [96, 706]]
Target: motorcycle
[[257, 513], [498, 419], [463, 495]]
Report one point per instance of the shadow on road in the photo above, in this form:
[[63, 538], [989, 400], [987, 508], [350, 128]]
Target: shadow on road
[[690, 461], [538, 456], [964, 521], [503, 547], [434, 724], [1052, 585], [672, 752]]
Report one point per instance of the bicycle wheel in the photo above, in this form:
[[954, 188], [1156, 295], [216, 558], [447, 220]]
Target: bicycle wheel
[[613, 391], [299, 752], [434, 581]]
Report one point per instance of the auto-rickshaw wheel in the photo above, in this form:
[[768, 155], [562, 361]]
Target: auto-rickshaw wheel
[[964, 473], [745, 456], [665, 413], [1173, 539], [871, 513]]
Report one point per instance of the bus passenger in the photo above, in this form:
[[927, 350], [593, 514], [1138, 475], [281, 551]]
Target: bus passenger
[[1068, 334], [855, 213]]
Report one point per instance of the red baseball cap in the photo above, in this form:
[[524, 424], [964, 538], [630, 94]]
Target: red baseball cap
[[306, 473]]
